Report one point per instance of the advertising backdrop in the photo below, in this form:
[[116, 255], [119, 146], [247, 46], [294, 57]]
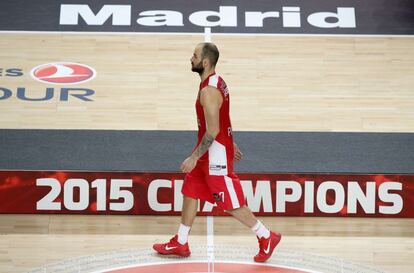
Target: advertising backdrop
[[367, 17], [132, 193]]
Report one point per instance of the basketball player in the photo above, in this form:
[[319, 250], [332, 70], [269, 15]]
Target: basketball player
[[209, 169]]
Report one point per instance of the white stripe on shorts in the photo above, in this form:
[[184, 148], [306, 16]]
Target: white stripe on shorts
[[233, 196]]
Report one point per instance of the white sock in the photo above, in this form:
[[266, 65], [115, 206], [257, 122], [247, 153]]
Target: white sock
[[261, 230], [183, 232]]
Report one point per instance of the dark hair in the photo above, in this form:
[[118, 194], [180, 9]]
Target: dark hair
[[211, 52]]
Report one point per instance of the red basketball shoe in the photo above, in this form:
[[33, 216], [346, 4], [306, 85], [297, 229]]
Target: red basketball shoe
[[173, 247], [266, 246]]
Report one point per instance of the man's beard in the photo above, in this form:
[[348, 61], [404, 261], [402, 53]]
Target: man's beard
[[197, 68]]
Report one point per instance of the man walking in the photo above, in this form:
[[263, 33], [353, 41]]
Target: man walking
[[209, 169]]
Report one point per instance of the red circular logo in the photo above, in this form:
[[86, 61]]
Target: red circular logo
[[203, 267], [63, 73]]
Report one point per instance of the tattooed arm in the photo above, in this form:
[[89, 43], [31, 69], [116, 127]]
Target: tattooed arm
[[211, 100], [205, 144]]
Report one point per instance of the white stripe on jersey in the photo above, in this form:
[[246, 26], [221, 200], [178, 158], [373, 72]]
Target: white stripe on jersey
[[213, 81], [233, 196], [217, 159]]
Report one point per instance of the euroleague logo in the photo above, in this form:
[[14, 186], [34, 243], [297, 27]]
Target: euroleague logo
[[63, 73]]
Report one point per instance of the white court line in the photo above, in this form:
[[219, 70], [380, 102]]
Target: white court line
[[210, 219], [210, 243], [207, 35], [198, 34]]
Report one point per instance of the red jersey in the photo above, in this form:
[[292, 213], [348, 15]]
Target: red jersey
[[220, 154]]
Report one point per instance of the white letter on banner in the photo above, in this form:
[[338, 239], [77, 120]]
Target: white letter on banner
[[309, 196], [291, 16], [121, 15], [68, 198], [262, 195], [227, 17], [339, 197], [48, 201], [153, 194], [161, 18], [208, 207], [117, 193], [178, 196], [100, 185], [387, 197], [356, 195], [345, 18], [255, 18], [282, 197]]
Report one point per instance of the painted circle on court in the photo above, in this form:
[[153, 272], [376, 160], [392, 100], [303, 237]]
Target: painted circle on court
[[63, 73], [203, 267], [227, 259]]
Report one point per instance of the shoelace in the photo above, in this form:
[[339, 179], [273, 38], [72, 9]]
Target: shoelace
[[172, 240], [262, 244]]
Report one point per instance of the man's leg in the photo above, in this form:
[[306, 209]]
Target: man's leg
[[188, 214], [194, 186], [244, 215], [178, 245], [268, 240], [189, 211]]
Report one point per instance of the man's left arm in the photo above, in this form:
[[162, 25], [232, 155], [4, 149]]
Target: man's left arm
[[211, 100]]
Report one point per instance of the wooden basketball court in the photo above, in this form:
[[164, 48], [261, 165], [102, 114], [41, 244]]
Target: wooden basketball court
[[277, 83]]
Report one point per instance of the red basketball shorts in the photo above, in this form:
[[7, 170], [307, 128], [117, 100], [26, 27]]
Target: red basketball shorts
[[225, 191]]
